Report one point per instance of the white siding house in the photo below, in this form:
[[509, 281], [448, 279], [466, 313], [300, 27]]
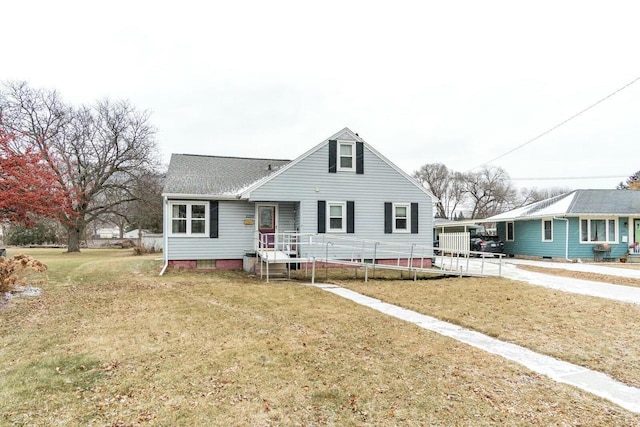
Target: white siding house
[[214, 207]]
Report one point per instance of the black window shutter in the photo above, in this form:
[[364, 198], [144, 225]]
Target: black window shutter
[[333, 156], [359, 158], [414, 218], [213, 219], [351, 218], [322, 219], [388, 218]]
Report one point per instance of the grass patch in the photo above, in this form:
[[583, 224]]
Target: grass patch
[[60, 374], [223, 348]]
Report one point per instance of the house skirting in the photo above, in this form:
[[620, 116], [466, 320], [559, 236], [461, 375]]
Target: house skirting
[[218, 264], [417, 263], [238, 264]]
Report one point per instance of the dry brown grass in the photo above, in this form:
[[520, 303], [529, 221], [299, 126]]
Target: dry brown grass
[[596, 277], [111, 343], [593, 332], [631, 266]]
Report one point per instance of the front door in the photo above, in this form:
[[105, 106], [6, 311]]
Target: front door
[[267, 225], [636, 235]]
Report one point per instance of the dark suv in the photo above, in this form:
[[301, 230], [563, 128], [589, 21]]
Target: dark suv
[[487, 243]]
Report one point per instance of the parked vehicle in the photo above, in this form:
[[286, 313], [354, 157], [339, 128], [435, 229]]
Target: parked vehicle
[[487, 243]]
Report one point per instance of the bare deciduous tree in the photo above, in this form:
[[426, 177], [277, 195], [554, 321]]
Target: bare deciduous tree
[[490, 191], [631, 179], [443, 183], [97, 152], [532, 195]]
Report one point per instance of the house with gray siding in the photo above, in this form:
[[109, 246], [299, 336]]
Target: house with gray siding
[[216, 208], [582, 224]]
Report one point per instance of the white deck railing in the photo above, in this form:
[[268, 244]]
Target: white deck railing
[[455, 242], [292, 248]]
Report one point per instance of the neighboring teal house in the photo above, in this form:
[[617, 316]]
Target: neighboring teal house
[[582, 224]]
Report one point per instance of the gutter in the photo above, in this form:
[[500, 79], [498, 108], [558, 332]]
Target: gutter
[[186, 196], [566, 238], [165, 236]]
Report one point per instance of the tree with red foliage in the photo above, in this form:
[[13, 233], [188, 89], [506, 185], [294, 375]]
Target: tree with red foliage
[[28, 188], [97, 152]]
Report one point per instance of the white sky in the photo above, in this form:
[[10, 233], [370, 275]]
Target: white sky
[[456, 82]]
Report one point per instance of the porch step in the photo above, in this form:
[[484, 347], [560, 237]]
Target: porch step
[[278, 268]]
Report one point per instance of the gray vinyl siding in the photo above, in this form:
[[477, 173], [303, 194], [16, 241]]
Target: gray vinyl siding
[[309, 181], [287, 217], [235, 238]]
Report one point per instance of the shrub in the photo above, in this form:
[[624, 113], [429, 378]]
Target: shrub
[[14, 271], [143, 250], [41, 232]]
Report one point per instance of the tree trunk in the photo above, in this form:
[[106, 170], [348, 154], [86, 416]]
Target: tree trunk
[[74, 233]]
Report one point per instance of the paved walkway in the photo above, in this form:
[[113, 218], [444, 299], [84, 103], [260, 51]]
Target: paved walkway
[[601, 268], [585, 287], [591, 381], [510, 270]]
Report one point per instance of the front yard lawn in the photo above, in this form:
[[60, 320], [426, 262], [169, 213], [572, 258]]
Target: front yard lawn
[[109, 342]]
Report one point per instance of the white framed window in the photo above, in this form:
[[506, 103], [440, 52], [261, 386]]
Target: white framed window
[[346, 156], [510, 231], [336, 217], [190, 219], [547, 230], [401, 217], [598, 230]]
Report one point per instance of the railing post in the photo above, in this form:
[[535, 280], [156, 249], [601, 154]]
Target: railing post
[[410, 263], [375, 257], [468, 255], [326, 258]]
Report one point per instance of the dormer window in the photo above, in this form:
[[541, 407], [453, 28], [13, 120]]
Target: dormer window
[[346, 156]]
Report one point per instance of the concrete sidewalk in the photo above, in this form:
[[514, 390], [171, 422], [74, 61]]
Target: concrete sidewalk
[[588, 380], [578, 286], [599, 268]]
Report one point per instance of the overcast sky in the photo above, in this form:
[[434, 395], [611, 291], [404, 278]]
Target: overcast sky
[[456, 82]]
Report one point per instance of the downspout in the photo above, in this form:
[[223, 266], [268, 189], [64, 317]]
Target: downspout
[[566, 238], [165, 236]]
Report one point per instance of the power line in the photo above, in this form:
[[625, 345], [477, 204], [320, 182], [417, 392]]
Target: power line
[[559, 124], [553, 178]]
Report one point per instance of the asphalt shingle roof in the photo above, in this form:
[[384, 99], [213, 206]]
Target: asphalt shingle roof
[[615, 202], [216, 176], [579, 202]]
